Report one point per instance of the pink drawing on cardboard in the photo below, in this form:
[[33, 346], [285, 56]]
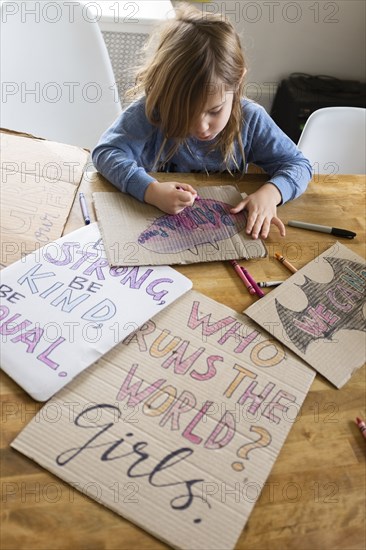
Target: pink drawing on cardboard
[[207, 221]]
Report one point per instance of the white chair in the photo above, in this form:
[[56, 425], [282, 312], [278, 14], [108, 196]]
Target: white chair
[[333, 139], [57, 78]]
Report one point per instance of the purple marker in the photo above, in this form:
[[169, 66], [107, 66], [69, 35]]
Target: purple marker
[[84, 208], [253, 283]]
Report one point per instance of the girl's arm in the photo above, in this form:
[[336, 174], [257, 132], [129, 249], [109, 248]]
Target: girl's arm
[[126, 151], [124, 154], [288, 170]]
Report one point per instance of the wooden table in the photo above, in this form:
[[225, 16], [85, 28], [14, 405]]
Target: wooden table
[[315, 495]]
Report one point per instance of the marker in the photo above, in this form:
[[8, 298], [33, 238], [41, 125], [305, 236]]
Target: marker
[[253, 283], [267, 284], [285, 262], [84, 208], [323, 229], [238, 269], [361, 424]]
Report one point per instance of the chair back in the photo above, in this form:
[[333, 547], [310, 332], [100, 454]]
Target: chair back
[[56, 74], [333, 139]]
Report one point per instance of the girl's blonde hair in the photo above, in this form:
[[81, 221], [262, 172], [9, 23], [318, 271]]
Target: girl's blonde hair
[[195, 52]]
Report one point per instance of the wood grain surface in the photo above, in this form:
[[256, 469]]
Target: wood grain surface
[[315, 495]]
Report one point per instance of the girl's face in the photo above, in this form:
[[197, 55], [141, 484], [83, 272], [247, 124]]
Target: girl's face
[[215, 115]]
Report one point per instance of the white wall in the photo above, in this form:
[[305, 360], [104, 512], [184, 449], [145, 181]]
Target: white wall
[[282, 36]]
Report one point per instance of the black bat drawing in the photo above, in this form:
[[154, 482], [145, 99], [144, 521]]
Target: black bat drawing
[[331, 307]]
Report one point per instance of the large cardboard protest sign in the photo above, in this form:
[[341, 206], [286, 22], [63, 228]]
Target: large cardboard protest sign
[[39, 180], [319, 313], [139, 234], [178, 427], [63, 307]]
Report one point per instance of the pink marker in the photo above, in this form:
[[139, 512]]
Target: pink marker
[[239, 271], [257, 290]]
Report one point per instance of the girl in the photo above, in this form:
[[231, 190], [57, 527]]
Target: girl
[[191, 117]]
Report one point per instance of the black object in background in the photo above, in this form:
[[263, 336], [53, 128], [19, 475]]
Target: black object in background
[[301, 94]]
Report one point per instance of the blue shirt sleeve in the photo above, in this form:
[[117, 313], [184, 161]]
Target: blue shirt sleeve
[[127, 151], [267, 146], [118, 154]]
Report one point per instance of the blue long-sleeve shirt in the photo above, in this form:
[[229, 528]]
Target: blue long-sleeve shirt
[[128, 150]]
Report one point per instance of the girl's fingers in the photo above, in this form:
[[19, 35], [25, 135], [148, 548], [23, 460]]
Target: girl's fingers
[[187, 187], [239, 207], [278, 223], [265, 228], [258, 226]]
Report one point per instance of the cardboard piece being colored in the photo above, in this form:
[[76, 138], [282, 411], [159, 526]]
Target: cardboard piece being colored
[[135, 233], [39, 180], [319, 313], [179, 425], [63, 307]]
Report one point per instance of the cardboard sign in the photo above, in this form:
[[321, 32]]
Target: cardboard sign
[[178, 427], [63, 307], [319, 313], [39, 180], [139, 234]]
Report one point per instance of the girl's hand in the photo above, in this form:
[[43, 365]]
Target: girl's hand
[[262, 211], [170, 196]]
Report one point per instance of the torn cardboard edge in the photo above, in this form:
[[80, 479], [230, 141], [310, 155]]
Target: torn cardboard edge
[[46, 160], [39, 180]]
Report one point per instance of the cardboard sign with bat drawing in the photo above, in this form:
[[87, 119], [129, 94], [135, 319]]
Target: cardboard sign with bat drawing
[[319, 313]]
